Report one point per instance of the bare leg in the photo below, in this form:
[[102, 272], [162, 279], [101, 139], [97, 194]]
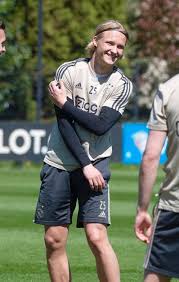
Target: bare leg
[[155, 277], [106, 261], [55, 242]]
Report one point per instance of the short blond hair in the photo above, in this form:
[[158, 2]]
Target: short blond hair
[[107, 25]]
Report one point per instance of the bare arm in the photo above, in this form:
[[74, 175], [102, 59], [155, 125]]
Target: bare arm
[[147, 177]]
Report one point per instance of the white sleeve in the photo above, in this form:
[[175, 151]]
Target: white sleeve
[[64, 72], [157, 119], [120, 96]]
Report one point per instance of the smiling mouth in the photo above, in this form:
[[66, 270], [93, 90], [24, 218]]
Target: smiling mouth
[[113, 58]]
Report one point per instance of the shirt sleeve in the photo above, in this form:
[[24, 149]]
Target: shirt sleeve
[[65, 126], [97, 124], [157, 119], [65, 72], [120, 96], [110, 113]]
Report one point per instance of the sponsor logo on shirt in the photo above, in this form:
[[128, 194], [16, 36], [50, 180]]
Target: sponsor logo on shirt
[[85, 106]]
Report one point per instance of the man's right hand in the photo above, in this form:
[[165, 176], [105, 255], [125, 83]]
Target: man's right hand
[[143, 226], [94, 177]]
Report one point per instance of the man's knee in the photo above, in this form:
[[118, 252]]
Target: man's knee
[[55, 238], [96, 235], [155, 277]]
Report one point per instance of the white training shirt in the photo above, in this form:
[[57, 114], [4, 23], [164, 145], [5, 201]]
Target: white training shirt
[[89, 92], [165, 116]]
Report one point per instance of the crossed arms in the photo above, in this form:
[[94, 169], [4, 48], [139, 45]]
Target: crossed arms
[[66, 113]]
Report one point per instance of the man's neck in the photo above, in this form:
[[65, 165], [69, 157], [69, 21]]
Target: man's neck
[[100, 69]]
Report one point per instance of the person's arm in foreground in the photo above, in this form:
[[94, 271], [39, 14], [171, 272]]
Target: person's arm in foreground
[[72, 141], [96, 124], [147, 177]]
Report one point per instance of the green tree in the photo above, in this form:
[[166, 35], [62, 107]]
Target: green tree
[[155, 26], [15, 83], [67, 28]]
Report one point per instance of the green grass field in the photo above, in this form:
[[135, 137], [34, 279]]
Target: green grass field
[[22, 255]]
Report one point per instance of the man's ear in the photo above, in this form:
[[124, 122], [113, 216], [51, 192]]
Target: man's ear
[[95, 41]]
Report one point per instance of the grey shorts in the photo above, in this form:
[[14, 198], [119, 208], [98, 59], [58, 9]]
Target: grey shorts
[[163, 251], [60, 191]]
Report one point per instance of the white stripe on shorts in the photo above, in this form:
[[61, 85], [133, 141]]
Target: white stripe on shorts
[[149, 247], [109, 207]]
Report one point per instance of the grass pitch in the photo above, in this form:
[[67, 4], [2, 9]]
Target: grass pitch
[[22, 253]]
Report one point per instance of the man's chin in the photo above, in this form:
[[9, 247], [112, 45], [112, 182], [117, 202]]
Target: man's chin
[[110, 63]]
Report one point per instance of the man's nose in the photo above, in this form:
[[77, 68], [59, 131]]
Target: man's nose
[[114, 49]]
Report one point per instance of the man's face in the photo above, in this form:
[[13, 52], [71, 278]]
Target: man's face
[[110, 46], [2, 41]]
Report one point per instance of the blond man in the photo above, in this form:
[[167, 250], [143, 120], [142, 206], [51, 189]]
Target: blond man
[[90, 96]]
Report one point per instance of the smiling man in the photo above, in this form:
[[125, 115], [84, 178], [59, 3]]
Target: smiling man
[[90, 96], [2, 38]]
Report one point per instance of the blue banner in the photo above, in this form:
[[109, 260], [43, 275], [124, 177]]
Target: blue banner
[[134, 137]]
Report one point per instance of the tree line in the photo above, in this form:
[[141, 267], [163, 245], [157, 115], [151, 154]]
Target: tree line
[[151, 54]]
